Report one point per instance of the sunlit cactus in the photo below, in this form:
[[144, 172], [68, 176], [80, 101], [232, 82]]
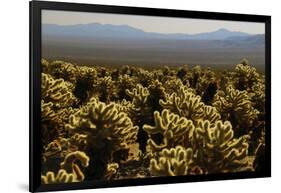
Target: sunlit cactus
[[45, 65], [70, 163], [104, 89], [125, 107], [107, 130], [56, 151], [205, 79], [56, 106], [174, 129], [103, 123], [172, 162], [140, 111], [56, 148], [257, 94], [111, 171], [245, 76], [126, 70], [173, 86], [70, 170], [61, 69], [139, 96], [53, 121], [86, 78], [236, 105], [218, 151], [47, 112], [210, 113], [123, 83], [73, 157], [196, 73], [60, 178], [185, 104], [144, 77], [57, 92]]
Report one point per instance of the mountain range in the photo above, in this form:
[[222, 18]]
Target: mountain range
[[113, 45], [128, 32]]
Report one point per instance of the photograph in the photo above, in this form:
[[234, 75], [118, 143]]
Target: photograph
[[127, 96]]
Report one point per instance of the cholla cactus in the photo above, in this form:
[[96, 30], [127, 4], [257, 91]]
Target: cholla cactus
[[125, 107], [60, 69], [70, 163], [257, 94], [172, 162], [124, 82], [64, 114], [139, 96], [210, 113], [104, 124], [126, 70], [104, 89], [245, 76], [50, 122], [86, 78], [140, 111], [184, 74], [56, 148], [60, 178], [205, 79], [111, 171], [107, 130], [204, 82], [82, 77], [217, 150], [86, 73], [69, 71], [73, 157], [53, 121], [56, 151], [175, 130], [185, 104], [47, 112], [79, 140], [244, 61], [70, 171], [45, 65], [156, 93], [236, 105], [57, 92], [173, 86], [144, 77], [196, 73]]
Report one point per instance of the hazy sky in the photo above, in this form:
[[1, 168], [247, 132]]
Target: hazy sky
[[150, 23]]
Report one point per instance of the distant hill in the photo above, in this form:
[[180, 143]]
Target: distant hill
[[125, 31], [243, 41]]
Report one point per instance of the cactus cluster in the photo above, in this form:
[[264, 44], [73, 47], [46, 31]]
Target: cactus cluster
[[101, 123]]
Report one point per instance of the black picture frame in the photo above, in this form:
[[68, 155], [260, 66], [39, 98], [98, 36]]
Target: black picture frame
[[35, 97]]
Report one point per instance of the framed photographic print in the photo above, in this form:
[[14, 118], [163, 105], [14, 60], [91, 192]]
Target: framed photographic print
[[124, 96]]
